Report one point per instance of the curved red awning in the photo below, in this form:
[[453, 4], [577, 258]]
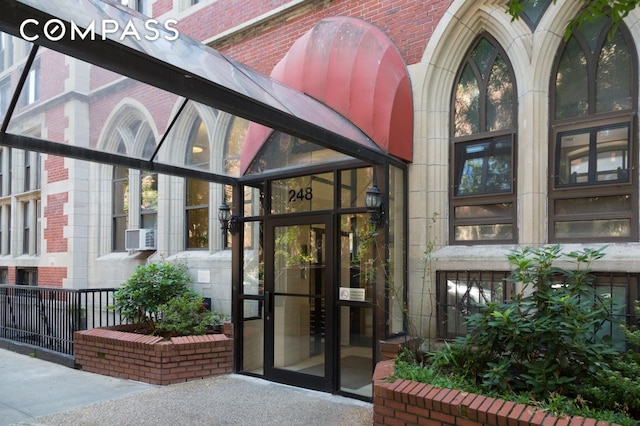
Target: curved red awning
[[353, 67]]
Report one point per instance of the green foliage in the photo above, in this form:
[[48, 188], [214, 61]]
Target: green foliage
[[218, 318], [591, 10], [184, 315], [619, 387], [149, 287], [549, 335], [549, 342]]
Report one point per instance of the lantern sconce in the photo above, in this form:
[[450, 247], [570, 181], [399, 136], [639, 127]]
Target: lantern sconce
[[375, 206], [228, 222]]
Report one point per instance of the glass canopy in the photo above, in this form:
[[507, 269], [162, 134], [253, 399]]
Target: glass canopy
[[100, 68]]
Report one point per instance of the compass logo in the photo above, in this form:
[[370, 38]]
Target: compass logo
[[56, 30]]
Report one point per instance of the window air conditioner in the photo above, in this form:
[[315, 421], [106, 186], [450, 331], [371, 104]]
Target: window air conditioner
[[140, 239]]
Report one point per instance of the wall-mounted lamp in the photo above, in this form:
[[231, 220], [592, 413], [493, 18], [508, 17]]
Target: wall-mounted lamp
[[228, 222], [373, 202]]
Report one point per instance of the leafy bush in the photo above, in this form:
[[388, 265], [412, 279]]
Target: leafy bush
[[149, 287], [549, 343], [619, 387], [184, 315], [548, 336]]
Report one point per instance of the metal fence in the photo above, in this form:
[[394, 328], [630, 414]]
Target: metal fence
[[47, 317]]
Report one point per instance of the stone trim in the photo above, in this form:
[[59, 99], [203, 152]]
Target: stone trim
[[264, 22]]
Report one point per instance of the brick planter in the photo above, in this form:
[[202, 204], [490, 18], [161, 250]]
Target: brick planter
[[404, 402], [151, 359]]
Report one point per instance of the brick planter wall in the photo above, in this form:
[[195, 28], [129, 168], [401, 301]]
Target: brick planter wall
[[149, 359], [404, 402]]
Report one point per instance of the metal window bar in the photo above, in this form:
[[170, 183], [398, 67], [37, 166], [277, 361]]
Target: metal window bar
[[48, 317], [461, 293]]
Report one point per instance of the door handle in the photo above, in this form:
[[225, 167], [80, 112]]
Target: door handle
[[267, 304]]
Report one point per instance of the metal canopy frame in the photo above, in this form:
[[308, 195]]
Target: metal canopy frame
[[205, 76]]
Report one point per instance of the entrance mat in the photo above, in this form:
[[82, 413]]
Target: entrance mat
[[355, 371]]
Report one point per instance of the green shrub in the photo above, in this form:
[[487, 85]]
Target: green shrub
[[548, 344], [549, 338], [149, 287], [619, 387], [184, 315]]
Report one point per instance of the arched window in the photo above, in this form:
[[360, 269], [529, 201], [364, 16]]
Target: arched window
[[533, 10], [134, 193], [148, 190], [483, 195], [593, 192], [120, 193], [197, 191]]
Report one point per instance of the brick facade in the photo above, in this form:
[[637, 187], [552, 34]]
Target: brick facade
[[409, 24], [51, 276], [57, 219]]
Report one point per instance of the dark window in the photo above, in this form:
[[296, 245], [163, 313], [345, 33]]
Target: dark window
[[197, 192], [5, 96], [141, 6], [8, 228], [120, 214], [27, 171], [593, 193], [462, 293], [26, 219], [149, 190], [38, 225], [27, 276], [197, 214], [31, 90], [482, 202], [3, 52]]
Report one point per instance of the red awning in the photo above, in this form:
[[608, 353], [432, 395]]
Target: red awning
[[353, 67]]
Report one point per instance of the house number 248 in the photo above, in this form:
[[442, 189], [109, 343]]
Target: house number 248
[[301, 194]]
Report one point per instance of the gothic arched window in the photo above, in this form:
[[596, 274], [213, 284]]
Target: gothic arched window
[[593, 190], [197, 191], [483, 194]]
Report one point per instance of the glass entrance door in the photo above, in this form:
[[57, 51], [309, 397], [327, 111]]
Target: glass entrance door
[[298, 303]]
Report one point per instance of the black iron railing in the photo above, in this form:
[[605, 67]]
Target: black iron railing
[[47, 317]]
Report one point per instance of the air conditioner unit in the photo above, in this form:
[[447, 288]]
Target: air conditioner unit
[[140, 239]]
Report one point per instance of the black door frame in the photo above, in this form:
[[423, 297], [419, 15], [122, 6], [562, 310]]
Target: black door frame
[[328, 383]]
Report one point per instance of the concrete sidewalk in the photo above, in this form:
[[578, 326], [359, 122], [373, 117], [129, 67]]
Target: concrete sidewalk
[[37, 392]]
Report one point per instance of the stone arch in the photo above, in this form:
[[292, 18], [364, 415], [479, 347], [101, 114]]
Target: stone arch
[[125, 113], [531, 55]]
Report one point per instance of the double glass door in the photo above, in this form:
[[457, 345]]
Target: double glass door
[[308, 294]]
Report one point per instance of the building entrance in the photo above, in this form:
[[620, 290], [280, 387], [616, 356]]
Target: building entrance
[[298, 332], [308, 294]]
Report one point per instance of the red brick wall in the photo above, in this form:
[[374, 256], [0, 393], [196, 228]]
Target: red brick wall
[[222, 15], [56, 221], [56, 171], [404, 402], [409, 24], [151, 360], [50, 276], [50, 83]]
